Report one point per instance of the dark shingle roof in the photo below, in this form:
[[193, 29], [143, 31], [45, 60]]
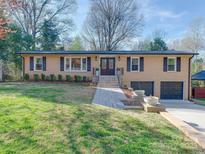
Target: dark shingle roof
[[135, 52], [199, 76]]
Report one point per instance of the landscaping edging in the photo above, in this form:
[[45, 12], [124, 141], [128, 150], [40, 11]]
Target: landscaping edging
[[189, 131]]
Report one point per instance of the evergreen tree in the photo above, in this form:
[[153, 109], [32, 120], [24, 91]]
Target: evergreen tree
[[76, 44], [158, 44], [49, 36]]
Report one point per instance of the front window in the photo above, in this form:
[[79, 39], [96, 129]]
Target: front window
[[171, 64], [76, 64], [135, 64], [38, 64]]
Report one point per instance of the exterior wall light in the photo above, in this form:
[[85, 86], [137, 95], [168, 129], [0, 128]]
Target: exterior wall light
[[119, 58]]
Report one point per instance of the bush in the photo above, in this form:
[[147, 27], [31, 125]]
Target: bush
[[53, 77], [43, 77], [85, 79], [88, 79], [69, 78], [26, 77], [78, 78], [48, 78], [60, 77], [36, 77], [11, 71]]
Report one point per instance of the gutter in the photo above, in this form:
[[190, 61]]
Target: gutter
[[189, 78]]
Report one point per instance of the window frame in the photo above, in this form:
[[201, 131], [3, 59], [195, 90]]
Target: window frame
[[35, 59], [175, 64], [138, 64], [81, 64]]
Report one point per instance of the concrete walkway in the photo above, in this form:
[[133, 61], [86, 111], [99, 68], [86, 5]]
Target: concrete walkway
[[192, 114], [110, 97]]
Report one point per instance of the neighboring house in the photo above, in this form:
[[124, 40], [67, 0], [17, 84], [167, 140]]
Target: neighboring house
[[165, 74]]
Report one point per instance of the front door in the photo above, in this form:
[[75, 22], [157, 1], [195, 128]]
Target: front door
[[107, 66]]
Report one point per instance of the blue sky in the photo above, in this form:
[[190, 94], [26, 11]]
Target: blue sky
[[172, 16]]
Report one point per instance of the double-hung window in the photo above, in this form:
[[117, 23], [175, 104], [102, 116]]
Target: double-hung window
[[38, 64], [135, 64], [75, 64], [171, 64]]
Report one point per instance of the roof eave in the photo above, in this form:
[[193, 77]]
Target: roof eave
[[91, 53]]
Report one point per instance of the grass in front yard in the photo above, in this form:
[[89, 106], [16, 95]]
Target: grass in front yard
[[200, 101], [55, 118]]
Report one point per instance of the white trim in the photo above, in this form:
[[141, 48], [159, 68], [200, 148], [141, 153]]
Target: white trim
[[175, 67], [35, 63], [138, 64], [81, 65]]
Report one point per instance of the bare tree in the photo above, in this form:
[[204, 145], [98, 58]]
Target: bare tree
[[30, 14], [143, 44], [159, 33], [112, 23], [194, 39]]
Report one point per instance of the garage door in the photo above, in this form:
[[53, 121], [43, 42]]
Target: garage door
[[148, 87], [171, 90]]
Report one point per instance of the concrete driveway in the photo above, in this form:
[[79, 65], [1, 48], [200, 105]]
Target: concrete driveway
[[190, 113]]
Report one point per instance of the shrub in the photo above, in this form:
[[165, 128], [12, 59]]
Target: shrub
[[53, 77], [78, 78], [43, 77], [69, 78], [60, 77], [26, 77], [85, 79], [36, 77], [48, 78], [89, 79]]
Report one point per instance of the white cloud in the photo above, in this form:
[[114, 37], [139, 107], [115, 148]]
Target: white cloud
[[169, 14], [151, 10]]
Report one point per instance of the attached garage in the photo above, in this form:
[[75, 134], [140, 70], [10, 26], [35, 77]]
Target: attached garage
[[171, 90], [147, 86]]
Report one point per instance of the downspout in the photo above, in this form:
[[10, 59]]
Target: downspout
[[189, 79]]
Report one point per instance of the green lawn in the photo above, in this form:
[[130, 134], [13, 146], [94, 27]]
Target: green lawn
[[53, 118], [200, 101]]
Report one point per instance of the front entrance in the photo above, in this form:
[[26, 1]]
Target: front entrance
[[107, 66]]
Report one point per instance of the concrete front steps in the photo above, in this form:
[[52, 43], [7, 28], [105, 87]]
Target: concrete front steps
[[108, 82]]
